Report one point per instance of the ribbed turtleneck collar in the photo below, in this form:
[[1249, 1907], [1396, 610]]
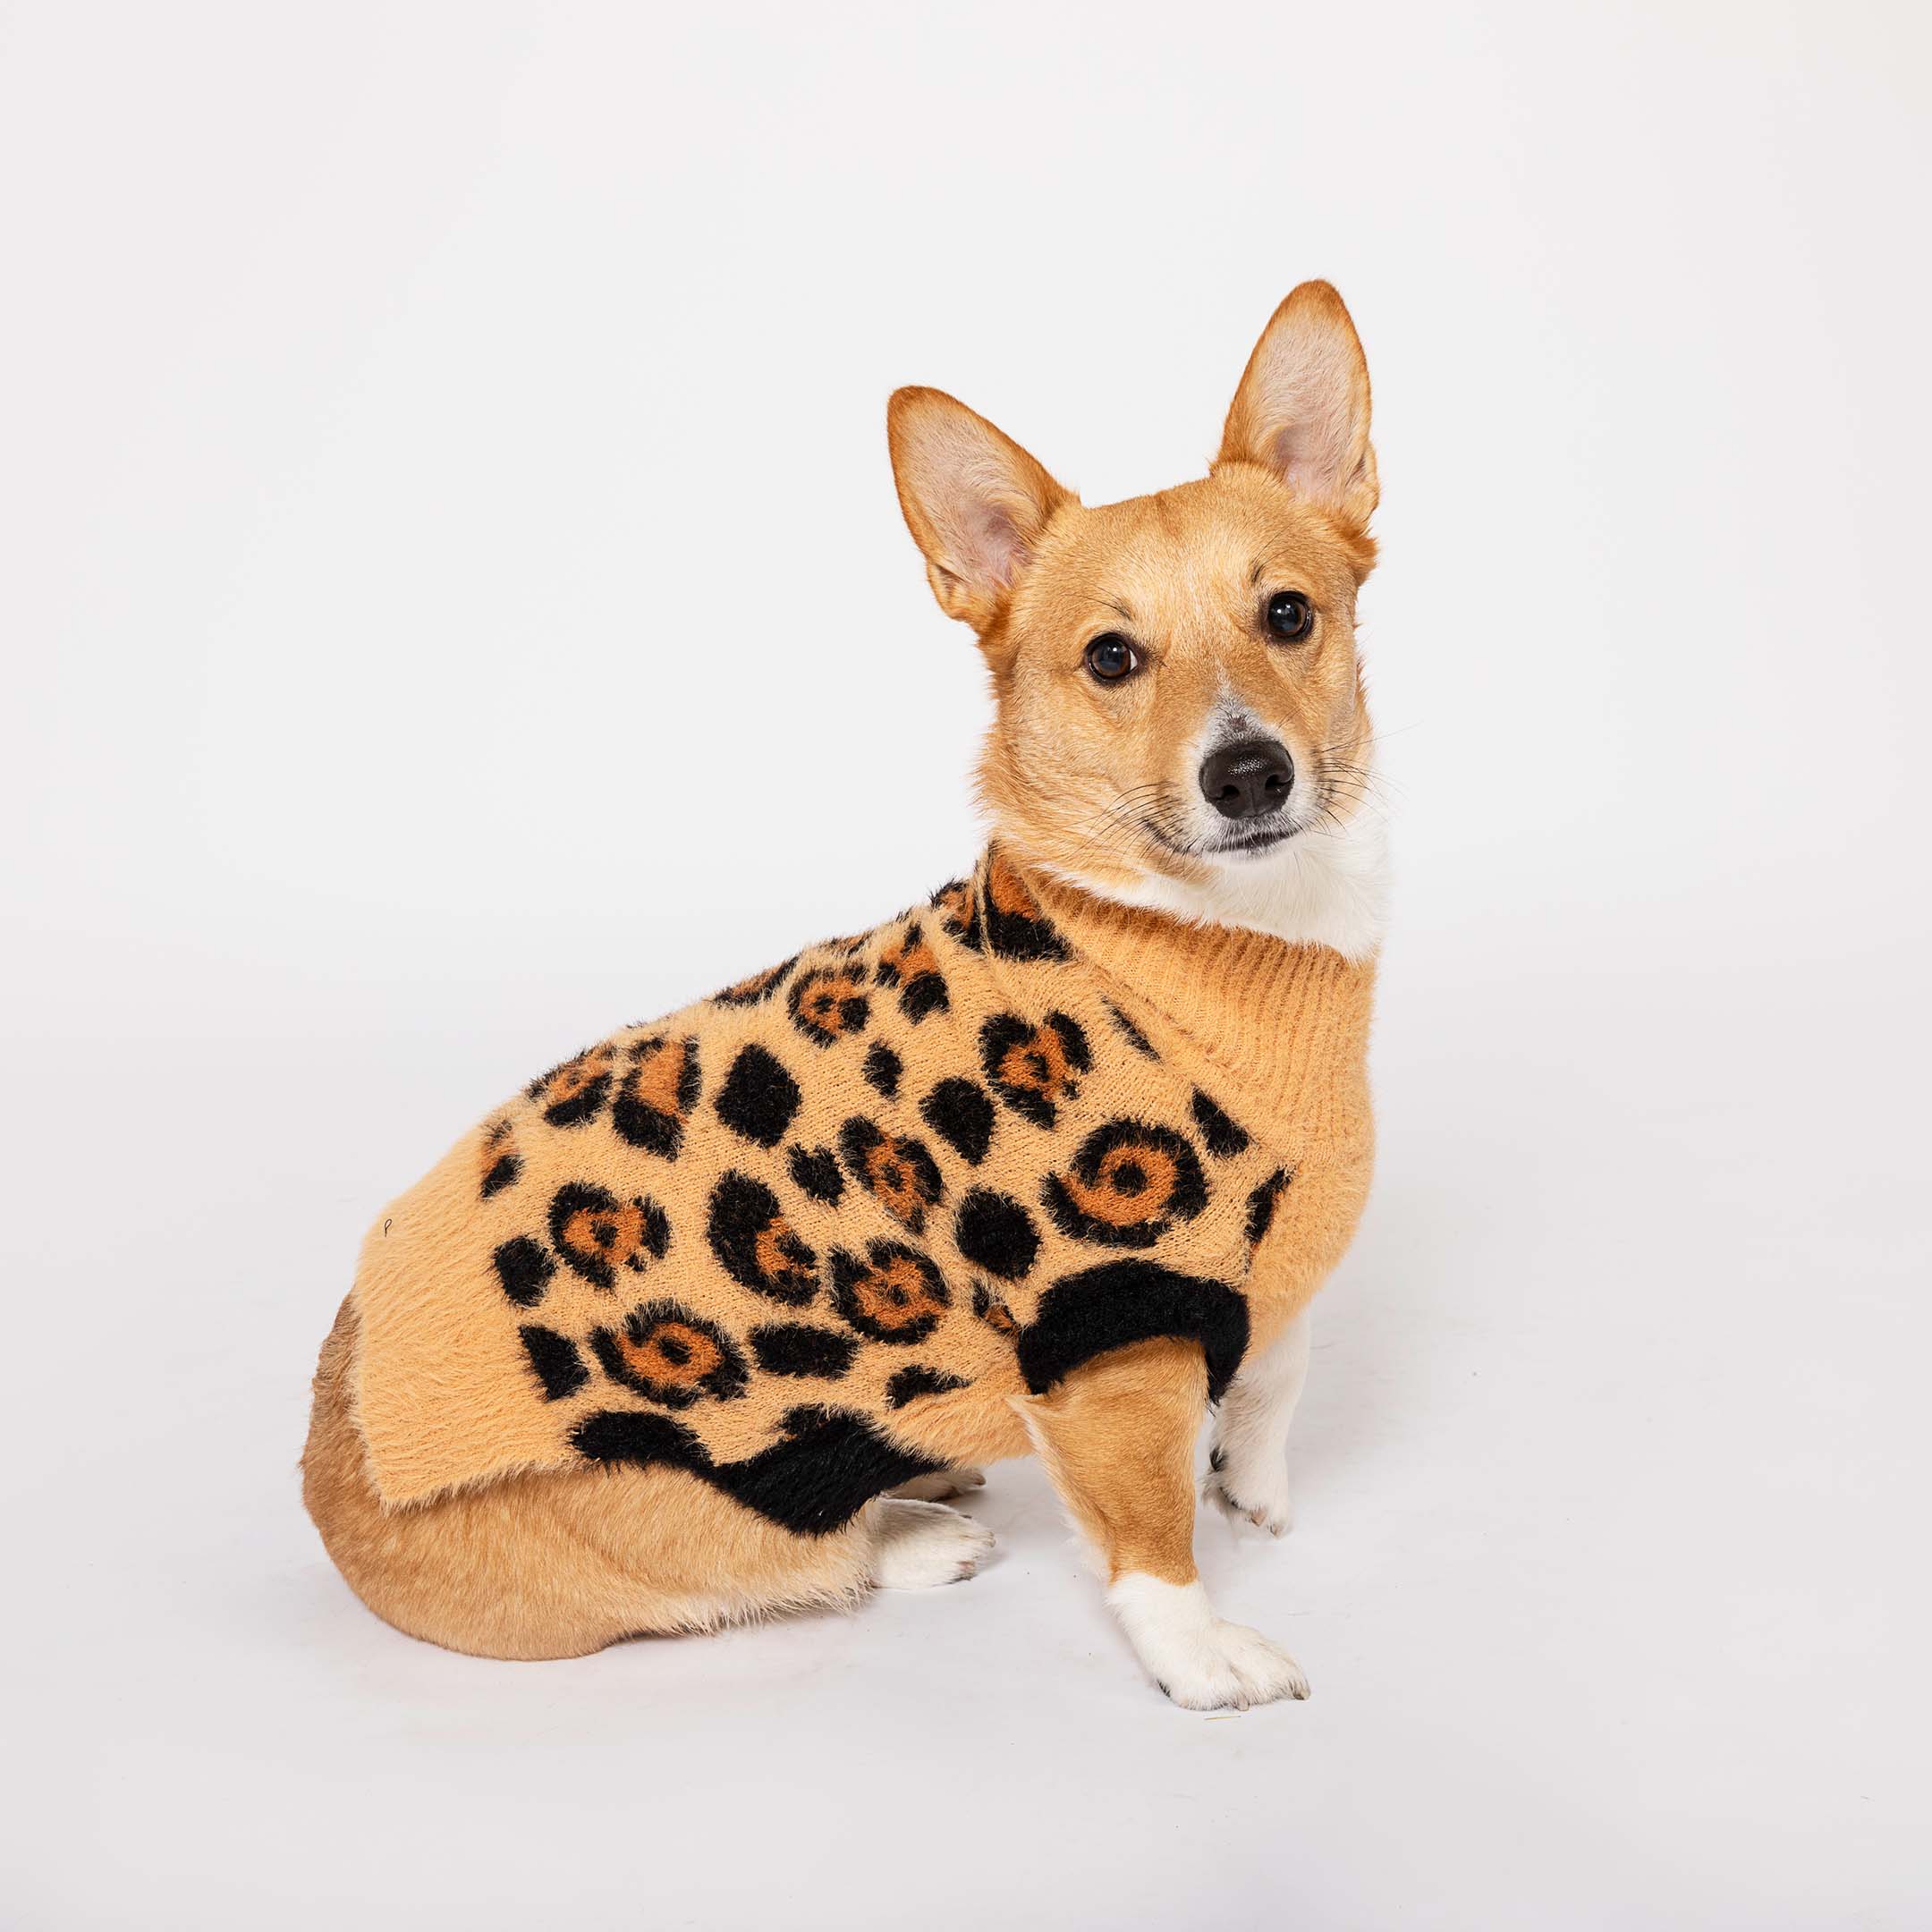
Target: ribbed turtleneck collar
[[1281, 1021]]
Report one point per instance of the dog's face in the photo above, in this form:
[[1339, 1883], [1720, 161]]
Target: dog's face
[[1178, 697]]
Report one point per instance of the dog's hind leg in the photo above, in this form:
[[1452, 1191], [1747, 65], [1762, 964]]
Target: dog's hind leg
[[555, 1563]]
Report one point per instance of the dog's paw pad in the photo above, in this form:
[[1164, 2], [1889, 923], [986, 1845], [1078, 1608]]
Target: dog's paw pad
[[918, 1545]]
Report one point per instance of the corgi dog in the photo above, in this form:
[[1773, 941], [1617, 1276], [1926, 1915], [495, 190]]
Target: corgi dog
[[723, 1315]]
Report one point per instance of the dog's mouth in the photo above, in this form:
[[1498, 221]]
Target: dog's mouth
[[1246, 842]]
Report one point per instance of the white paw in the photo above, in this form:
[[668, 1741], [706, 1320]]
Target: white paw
[[941, 1484], [1200, 1661], [1245, 1491], [917, 1545], [1229, 1666]]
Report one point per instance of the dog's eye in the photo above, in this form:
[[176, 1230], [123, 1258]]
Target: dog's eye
[[1289, 615], [1111, 658]]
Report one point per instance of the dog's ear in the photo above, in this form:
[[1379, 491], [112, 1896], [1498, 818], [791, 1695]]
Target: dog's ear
[[974, 502], [1303, 407]]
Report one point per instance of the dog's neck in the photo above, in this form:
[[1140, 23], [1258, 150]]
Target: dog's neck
[[1283, 1019]]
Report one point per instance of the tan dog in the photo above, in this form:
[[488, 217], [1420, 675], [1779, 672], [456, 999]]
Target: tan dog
[[705, 1323]]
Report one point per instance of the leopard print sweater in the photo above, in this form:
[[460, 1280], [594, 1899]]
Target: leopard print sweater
[[765, 1240]]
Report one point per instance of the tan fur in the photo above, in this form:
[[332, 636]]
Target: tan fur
[[1065, 752], [557, 1562], [1118, 1442], [554, 1564], [1069, 765]]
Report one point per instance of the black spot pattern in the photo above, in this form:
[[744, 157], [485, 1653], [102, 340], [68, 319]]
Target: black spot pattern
[[756, 1244], [961, 1112], [595, 1233], [882, 1069], [816, 1172], [1015, 925], [524, 1270], [500, 1162], [909, 1383], [1127, 1186], [667, 1354], [995, 1233], [502, 1173], [828, 1466], [957, 903], [922, 994], [829, 1003], [759, 1098], [657, 1094], [1034, 1068], [571, 1093], [559, 1366], [910, 964], [758, 988], [895, 1169], [1261, 1204], [1130, 1033], [1225, 1137], [894, 1295], [800, 1348]]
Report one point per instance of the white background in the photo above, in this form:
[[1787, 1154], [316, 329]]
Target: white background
[[454, 603]]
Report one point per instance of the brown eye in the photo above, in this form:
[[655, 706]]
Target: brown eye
[[1111, 658], [1289, 615]]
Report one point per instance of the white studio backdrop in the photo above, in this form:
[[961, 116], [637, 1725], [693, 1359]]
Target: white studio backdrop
[[454, 601]]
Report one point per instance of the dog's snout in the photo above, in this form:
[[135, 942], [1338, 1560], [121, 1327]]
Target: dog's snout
[[1248, 780]]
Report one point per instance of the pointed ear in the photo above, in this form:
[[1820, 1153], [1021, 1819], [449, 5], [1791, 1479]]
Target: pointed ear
[[974, 502], [1303, 407]]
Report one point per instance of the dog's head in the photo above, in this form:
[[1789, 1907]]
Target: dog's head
[[1180, 714]]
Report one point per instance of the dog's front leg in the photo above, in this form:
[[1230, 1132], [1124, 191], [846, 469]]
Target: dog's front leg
[[1249, 1461], [1117, 1437]]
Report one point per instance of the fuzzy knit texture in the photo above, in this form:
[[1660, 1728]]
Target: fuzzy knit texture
[[793, 1238]]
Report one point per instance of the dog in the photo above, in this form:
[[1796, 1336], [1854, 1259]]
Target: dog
[[718, 1317]]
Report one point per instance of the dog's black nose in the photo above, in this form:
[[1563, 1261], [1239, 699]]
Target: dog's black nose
[[1248, 780]]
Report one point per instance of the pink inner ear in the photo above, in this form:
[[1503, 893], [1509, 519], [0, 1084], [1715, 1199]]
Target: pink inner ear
[[1308, 404], [1311, 447], [994, 543]]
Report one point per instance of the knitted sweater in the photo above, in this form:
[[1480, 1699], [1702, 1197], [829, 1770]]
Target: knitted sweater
[[769, 1239]]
